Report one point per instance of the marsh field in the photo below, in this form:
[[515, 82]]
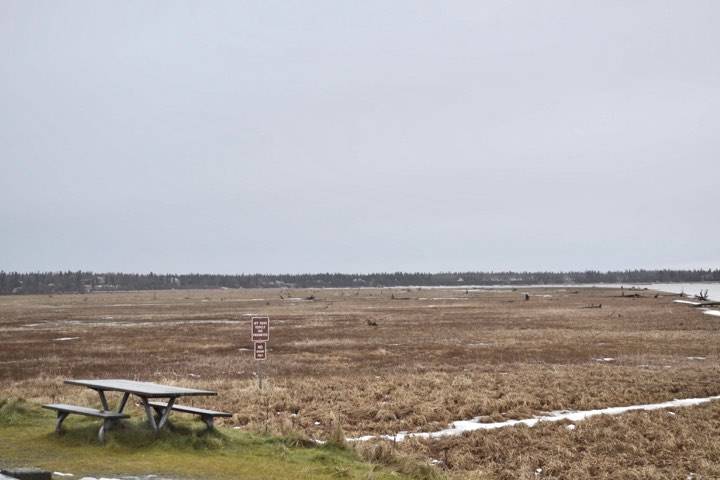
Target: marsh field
[[382, 361]]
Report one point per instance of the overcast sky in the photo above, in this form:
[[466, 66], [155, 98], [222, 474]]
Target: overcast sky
[[317, 136]]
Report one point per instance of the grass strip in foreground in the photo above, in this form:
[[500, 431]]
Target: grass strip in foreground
[[186, 451]]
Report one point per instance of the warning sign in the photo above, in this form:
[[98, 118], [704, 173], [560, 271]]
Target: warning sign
[[260, 350], [260, 329]]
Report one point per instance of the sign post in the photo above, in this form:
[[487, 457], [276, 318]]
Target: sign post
[[260, 335]]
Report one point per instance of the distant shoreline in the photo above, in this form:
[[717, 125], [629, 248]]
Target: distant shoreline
[[87, 282]]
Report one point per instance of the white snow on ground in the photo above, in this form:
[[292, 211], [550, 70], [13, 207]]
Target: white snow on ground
[[689, 289], [714, 313], [65, 339], [688, 302], [460, 427], [440, 298], [156, 323], [443, 306]]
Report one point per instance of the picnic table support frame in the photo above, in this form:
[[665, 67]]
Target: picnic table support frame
[[148, 413], [107, 423], [103, 400], [123, 402], [163, 413], [166, 413], [209, 421], [61, 416], [106, 407]]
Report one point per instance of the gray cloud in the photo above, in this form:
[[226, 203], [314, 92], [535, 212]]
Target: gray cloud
[[345, 136]]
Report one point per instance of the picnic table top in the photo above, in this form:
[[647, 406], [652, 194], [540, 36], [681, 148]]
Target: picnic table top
[[143, 389]]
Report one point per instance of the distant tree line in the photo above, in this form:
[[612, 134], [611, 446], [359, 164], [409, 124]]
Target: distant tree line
[[86, 282]]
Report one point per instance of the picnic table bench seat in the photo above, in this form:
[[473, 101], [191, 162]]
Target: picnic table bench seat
[[63, 410], [207, 416]]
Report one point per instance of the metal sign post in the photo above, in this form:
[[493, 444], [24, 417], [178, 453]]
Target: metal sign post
[[260, 349], [260, 335]]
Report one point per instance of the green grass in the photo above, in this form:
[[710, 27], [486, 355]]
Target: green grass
[[186, 451]]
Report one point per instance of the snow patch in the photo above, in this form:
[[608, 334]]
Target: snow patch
[[462, 426], [65, 339]]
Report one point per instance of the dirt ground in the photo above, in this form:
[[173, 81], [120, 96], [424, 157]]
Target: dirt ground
[[389, 360]]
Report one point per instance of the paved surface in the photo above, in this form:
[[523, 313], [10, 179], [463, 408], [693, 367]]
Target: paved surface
[[131, 477], [25, 474]]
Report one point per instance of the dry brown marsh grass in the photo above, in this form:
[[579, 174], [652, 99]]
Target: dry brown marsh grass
[[436, 355], [663, 444]]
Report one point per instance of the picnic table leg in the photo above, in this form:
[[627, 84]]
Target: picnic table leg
[[166, 413], [61, 416], [123, 402], [105, 427], [149, 414], [103, 400], [208, 419], [158, 413]]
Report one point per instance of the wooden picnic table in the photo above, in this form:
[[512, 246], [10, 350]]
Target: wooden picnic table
[[143, 390]]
